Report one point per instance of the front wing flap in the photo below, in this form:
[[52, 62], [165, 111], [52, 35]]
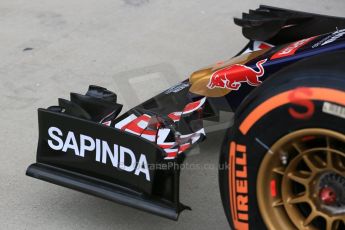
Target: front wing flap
[[132, 159]]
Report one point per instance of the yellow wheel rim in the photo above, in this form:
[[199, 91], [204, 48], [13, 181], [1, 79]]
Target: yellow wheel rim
[[301, 181]]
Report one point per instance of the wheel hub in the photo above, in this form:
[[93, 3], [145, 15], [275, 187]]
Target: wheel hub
[[328, 196], [332, 193], [311, 183]]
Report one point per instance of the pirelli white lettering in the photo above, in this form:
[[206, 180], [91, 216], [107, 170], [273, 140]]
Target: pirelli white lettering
[[119, 156], [333, 109]]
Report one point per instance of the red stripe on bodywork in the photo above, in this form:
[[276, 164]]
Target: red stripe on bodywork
[[291, 49]]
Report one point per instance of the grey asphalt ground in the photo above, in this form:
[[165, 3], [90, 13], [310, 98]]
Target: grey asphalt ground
[[49, 48]]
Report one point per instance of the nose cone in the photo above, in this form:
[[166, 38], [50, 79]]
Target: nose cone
[[200, 79]]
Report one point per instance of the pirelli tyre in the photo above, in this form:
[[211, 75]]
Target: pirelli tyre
[[285, 154]]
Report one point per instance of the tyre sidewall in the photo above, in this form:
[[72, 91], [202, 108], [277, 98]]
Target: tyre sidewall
[[266, 131]]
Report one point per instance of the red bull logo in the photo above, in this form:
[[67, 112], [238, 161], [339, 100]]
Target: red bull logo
[[233, 76]]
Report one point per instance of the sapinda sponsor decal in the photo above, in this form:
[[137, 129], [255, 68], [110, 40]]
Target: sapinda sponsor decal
[[238, 186], [119, 156]]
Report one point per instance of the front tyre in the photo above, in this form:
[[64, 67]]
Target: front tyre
[[286, 153]]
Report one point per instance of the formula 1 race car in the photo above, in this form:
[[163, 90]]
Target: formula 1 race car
[[284, 154]]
